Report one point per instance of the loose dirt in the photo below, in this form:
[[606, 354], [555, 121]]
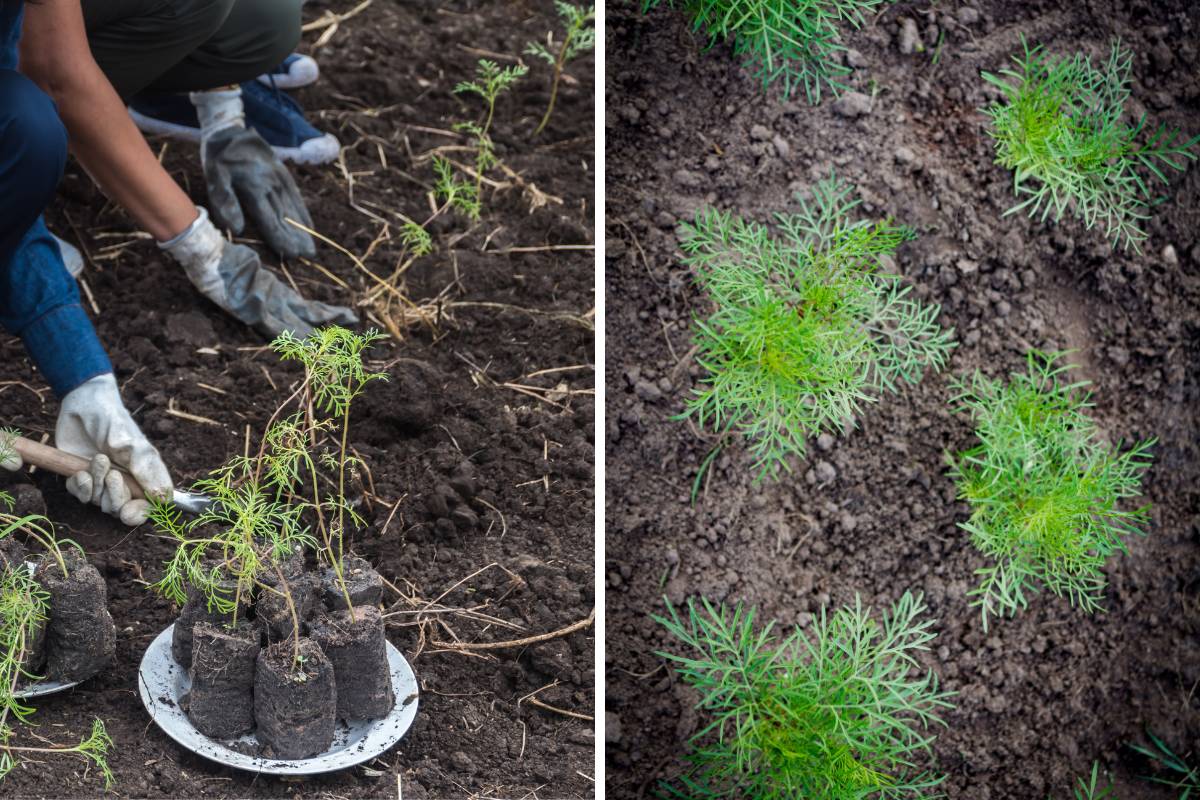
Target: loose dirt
[[478, 463], [874, 513]]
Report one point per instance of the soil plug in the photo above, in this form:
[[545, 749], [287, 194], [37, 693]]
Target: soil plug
[[80, 636], [272, 609], [221, 701], [197, 609], [295, 703], [354, 642], [362, 583]]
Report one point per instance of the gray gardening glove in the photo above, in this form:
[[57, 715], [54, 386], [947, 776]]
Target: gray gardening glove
[[243, 172], [233, 277]]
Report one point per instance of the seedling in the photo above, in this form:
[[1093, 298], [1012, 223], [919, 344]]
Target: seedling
[[1043, 488], [1186, 778], [579, 37], [1092, 789], [256, 521], [835, 712], [490, 82], [795, 42], [24, 606], [806, 329], [1059, 128]]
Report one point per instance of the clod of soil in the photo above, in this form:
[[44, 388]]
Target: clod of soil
[[12, 554], [363, 583], [221, 701], [80, 635], [294, 707], [194, 611], [272, 609], [356, 646]]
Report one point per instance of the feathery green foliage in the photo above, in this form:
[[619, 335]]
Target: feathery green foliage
[[490, 82], [793, 42], [24, 607], [1186, 779], [1043, 487], [837, 712], [806, 328], [264, 503], [580, 37], [1059, 128]]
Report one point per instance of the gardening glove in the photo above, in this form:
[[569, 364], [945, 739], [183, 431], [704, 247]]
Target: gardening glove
[[233, 277], [94, 424], [242, 170]]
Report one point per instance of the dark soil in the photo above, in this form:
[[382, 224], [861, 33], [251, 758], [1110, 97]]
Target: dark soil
[[220, 702], [444, 420], [195, 611], [80, 635], [873, 513], [294, 709], [355, 645]]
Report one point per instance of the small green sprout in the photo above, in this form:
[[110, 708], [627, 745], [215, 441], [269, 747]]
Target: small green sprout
[[24, 606], [454, 192], [1059, 128], [1186, 779], [1043, 488], [795, 42], [580, 37], [490, 82], [1092, 789], [414, 237], [806, 329], [835, 712]]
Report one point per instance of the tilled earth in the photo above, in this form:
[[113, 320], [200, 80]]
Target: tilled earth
[[479, 463], [874, 514]]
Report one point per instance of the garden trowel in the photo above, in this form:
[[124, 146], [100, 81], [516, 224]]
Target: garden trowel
[[59, 462]]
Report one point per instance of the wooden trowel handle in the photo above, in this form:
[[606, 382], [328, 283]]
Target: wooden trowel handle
[[54, 460]]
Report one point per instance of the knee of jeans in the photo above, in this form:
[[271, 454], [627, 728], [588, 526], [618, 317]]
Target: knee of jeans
[[278, 25], [33, 141]]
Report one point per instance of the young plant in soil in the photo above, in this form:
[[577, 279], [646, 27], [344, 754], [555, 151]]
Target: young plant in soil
[[1185, 778], [79, 638], [251, 542], [24, 613], [806, 328], [490, 82], [1059, 127], [579, 37], [1093, 789], [793, 42], [1044, 488], [834, 712]]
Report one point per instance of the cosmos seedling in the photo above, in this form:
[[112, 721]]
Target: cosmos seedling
[[836, 711], [257, 520], [805, 328], [24, 608], [1059, 127], [793, 42], [579, 37], [1044, 488], [490, 82]]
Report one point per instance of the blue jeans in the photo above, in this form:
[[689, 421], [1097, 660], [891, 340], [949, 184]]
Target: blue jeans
[[39, 300]]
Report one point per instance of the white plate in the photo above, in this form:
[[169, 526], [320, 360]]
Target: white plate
[[163, 682]]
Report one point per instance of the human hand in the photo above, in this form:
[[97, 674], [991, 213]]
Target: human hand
[[94, 424], [233, 277], [245, 177]]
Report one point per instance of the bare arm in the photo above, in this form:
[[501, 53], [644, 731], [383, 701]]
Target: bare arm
[[55, 55]]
